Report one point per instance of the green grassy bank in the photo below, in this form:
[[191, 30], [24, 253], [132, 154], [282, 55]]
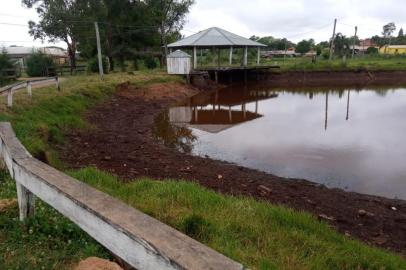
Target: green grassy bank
[[258, 234], [371, 63]]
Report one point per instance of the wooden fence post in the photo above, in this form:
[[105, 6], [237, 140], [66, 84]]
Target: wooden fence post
[[29, 89], [57, 84], [26, 202], [10, 97]]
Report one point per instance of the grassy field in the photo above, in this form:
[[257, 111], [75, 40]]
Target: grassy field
[[259, 235], [358, 63]]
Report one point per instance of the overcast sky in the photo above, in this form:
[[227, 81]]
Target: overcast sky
[[294, 19]]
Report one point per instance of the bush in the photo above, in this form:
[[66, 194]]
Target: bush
[[372, 50], [38, 64], [93, 65], [150, 62], [5, 63]]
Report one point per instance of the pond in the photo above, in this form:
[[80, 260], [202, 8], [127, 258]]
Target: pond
[[353, 139]]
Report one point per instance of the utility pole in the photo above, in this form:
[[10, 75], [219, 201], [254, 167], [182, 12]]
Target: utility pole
[[96, 26], [355, 38], [332, 40]]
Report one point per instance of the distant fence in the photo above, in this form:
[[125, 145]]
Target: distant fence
[[10, 89], [140, 240]]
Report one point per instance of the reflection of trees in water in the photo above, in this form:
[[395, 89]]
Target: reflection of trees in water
[[180, 138]]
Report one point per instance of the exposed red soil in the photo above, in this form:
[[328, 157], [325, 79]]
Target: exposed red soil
[[122, 143]]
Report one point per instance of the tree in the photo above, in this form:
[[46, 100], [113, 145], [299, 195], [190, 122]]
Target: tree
[[388, 30], [169, 16], [276, 43], [400, 35], [59, 21], [304, 46], [342, 45]]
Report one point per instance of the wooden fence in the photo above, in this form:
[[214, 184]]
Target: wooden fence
[[140, 240], [10, 89]]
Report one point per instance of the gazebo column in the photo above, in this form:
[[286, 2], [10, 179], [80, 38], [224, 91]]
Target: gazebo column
[[194, 57], [259, 56], [231, 55], [246, 56]]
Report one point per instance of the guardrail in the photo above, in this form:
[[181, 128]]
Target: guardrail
[[10, 89], [140, 240]]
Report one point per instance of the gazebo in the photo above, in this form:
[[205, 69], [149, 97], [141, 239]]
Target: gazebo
[[217, 38]]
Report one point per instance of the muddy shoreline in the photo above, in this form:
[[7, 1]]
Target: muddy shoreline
[[122, 143]]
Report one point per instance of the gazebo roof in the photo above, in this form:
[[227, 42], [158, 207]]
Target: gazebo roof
[[215, 37]]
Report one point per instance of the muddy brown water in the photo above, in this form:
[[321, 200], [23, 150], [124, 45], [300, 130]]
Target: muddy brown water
[[353, 139]]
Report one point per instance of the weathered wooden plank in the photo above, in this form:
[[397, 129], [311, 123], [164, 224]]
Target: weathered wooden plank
[[137, 238]]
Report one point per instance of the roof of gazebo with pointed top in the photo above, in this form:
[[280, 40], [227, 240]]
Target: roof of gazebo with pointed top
[[215, 37]]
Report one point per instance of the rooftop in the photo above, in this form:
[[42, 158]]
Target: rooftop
[[215, 37]]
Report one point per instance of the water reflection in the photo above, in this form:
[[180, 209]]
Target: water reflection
[[173, 136], [346, 138]]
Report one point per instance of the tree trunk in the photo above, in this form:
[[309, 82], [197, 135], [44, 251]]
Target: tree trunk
[[72, 56], [110, 48], [164, 46]]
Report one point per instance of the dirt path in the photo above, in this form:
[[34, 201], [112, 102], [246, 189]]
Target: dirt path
[[122, 143]]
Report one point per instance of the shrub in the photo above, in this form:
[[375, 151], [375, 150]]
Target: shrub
[[38, 64], [93, 65], [5, 63], [150, 62], [372, 50]]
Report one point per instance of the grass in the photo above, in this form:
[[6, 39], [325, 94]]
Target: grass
[[258, 234], [41, 122], [45, 241], [371, 63]]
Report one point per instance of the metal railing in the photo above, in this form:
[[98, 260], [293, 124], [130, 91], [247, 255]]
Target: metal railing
[[10, 89]]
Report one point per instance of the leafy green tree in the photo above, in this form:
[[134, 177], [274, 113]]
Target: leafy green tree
[[400, 35], [276, 43], [342, 45], [59, 21], [304, 46], [388, 30], [169, 17], [38, 64], [5, 60]]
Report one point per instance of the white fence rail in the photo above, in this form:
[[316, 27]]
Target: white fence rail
[[140, 240], [10, 89]]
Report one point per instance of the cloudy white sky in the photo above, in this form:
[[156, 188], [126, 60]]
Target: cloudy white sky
[[294, 19]]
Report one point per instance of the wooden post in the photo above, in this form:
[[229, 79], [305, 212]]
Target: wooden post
[[58, 87], [10, 97], [332, 40], [29, 89], [231, 56], [26, 202], [99, 54], [353, 44], [218, 57], [214, 59], [259, 56], [230, 115], [194, 57], [245, 56]]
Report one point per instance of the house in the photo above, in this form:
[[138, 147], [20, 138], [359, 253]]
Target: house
[[366, 43], [20, 54], [393, 49]]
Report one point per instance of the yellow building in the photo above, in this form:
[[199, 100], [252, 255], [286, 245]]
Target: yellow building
[[393, 49]]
